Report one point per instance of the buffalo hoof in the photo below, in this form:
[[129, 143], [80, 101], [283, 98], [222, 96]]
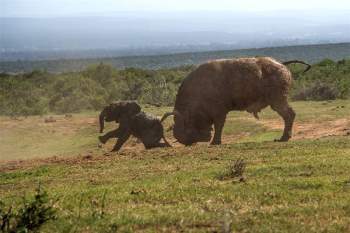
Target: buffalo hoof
[[108, 154], [102, 139], [282, 139], [114, 150], [215, 143]]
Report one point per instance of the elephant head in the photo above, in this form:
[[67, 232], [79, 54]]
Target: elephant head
[[117, 111]]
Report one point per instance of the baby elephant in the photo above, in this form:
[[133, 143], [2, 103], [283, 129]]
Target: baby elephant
[[132, 121]]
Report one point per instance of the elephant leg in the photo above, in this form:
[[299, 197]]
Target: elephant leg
[[153, 136], [218, 126], [121, 140], [288, 115], [112, 134], [155, 145], [150, 146], [150, 142]]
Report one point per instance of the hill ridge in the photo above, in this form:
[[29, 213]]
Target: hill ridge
[[310, 53]]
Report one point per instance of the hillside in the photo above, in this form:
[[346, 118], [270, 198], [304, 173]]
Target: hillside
[[299, 186], [38, 92], [309, 53], [75, 134]]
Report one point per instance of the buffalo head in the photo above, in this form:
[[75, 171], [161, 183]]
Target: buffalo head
[[187, 132]]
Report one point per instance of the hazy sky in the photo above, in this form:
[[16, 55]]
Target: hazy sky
[[40, 8]]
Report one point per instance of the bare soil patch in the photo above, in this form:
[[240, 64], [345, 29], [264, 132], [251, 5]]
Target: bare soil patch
[[313, 130], [66, 126]]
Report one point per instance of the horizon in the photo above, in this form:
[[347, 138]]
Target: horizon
[[67, 8], [159, 27], [322, 13]]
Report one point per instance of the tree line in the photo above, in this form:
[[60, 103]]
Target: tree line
[[40, 92]]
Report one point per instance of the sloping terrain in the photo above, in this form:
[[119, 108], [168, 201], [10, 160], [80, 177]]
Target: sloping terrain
[[309, 53], [299, 186], [69, 135]]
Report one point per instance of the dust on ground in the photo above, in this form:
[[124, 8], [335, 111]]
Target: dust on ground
[[301, 130], [70, 125], [313, 130], [66, 125]]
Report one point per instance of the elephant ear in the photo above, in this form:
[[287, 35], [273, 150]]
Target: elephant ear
[[123, 110], [132, 108], [115, 111]]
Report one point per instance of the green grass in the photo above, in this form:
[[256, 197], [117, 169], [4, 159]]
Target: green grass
[[295, 187], [32, 138], [315, 111], [299, 186]]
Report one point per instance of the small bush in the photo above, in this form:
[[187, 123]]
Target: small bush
[[317, 91], [98, 207], [30, 217], [39, 92], [234, 170]]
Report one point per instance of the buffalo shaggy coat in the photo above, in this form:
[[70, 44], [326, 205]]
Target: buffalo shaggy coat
[[215, 88]]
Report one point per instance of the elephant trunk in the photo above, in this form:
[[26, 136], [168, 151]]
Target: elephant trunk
[[102, 121]]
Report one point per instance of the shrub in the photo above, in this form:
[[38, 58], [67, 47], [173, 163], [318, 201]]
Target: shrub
[[30, 217], [38, 92], [316, 91], [234, 170], [21, 97], [76, 93]]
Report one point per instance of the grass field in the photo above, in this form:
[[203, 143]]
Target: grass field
[[299, 186]]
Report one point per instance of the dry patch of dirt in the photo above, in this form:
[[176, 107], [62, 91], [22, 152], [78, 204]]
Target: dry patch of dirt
[[88, 157], [313, 130], [307, 130], [7, 166], [227, 139], [61, 124]]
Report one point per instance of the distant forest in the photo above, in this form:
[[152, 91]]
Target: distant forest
[[40, 92], [309, 53]]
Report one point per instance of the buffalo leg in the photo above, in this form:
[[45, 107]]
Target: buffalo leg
[[121, 140], [288, 115], [112, 134], [218, 126]]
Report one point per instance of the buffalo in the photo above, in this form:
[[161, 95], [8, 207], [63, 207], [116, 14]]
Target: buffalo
[[215, 88]]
